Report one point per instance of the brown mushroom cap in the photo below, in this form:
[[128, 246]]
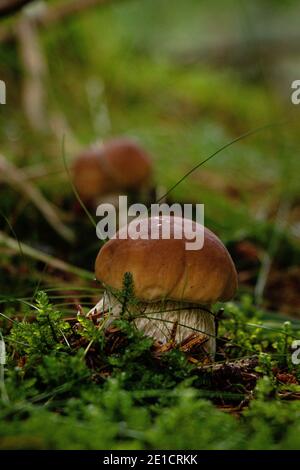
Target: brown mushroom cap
[[118, 165], [164, 269], [126, 163], [88, 176]]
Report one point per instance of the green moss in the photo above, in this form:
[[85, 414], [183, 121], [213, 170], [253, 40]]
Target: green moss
[[65, 396]]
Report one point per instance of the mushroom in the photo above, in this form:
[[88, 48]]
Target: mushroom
[[171, 284], [118, 165]]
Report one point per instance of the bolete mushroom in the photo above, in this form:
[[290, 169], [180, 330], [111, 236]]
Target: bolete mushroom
[[119, 165], [171, 284]]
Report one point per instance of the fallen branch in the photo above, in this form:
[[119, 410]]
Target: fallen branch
[[26, 250], [46, 16], [8, 7], [36, 172], [245, 364], [34, 74], [15, 178]]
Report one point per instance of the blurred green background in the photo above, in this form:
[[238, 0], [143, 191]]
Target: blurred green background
[[185, 77]]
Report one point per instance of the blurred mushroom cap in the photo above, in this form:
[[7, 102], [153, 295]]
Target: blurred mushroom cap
[[88, 176], [126, 163], [164, 269], [118, 165]]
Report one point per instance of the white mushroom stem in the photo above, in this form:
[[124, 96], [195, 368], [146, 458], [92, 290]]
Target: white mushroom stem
[[157, 319]]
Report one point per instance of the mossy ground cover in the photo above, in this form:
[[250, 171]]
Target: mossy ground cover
[[72, 384]]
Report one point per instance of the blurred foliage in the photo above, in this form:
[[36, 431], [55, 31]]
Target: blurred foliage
[[132, 81]]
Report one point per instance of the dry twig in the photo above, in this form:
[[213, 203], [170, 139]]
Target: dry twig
[[9, 7], [15, 178], [34, 73], [47, 16], [22, 248]]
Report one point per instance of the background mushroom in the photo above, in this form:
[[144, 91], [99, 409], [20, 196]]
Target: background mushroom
[[119, 165], [171, 283]]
